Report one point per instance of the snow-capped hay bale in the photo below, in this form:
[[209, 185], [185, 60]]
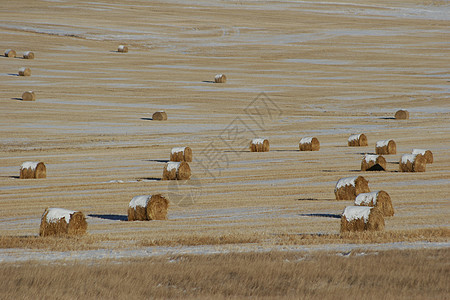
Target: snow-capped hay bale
[[357, 140], [220, 78], [33, 170], [402, 114], [122, 49], [379, 199], [60, 221], [412, 163], [386, 147], [181, 154], [28, 96], [159, 116], [309, 144], [349, 187], [259, 145], [373, 162], [176, 171], [361, 218], [148, 207], [28, 55], [24, 71], [425, 153], [10, 53]]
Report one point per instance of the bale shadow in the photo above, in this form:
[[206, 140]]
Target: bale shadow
[[18, 99], [147, 119], [11, 74], [150, 178], [376, 167], [110, 217], [12, 177], [208, 81], [364, 153], [387, 118], [334, 216], [158, 160]]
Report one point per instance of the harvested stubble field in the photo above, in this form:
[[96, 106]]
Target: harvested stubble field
[[323, 69]]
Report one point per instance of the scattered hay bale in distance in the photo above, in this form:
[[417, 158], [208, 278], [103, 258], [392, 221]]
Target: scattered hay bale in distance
[[259, 145], [402, 114], [426, 153], [159, 116], [181, 154], [33, 170], [28, 55], [361, 218], [379, 199], [220, 78], [148, 207], [60, 221], [357, 140], [176, 171], [10, 53], [412, 163], [349, 187], [122, 49], [24, 71], [309, 144], [386, 147], [28, 96], [373, 162]]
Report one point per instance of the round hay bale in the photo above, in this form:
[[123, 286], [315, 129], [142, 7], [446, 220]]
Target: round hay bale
[[349, 187], [379, 199], [373, 162], [148, 207], [33, 170], [122, 49], [386, 147], [60, 221], [426, 153], [361, 218], [259, 145], [159, 116], [412, 163], [28, 55], [181, 154], [402, 114], [357, 140], [220, 78], [176, 171], [10, 53], [309, 144], [24, 71], [28, 96]]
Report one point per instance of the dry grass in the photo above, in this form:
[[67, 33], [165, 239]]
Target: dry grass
[[197, 239], [408, 274]]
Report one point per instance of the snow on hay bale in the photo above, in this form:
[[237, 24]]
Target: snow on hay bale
[[357, 140], [24, 71], [10, 53], [412, 163], [402, 114], [33, 170], [259, 145], [373, 162], [176, 171], [386, 147], [349, 187], [28, 96], [309, 144], [220, 78], [379, 199], [361, 218], [60, 221], [426, 153], [122, 49], [28, 55], [148, 207], [181, 154], [159, 116]]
